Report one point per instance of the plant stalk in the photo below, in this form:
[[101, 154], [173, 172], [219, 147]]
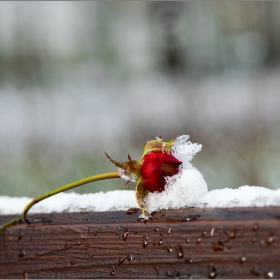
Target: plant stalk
[[104, 176]]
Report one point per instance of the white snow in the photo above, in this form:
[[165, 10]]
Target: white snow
[[71, 202], [131, 177], [187, 188], [245, 196], [185, 150], [184, 190]]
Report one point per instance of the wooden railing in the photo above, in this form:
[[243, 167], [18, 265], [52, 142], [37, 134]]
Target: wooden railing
[[184, 243]]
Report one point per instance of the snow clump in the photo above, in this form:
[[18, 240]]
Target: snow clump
[[71, 202], [245, 196], [186, 187]]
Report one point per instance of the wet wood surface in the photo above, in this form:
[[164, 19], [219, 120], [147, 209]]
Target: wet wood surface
[[184, 243]]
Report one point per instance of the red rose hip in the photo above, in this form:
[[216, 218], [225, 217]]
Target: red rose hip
[[155, 167]]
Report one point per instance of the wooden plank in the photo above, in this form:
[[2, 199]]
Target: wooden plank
[[184, 243]]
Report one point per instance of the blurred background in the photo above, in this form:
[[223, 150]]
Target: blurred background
[[81, 78]]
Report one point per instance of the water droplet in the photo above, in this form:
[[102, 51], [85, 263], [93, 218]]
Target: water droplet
[[156, 268], [160, 216], [125, 235], [141, 217], [203, 234], [189, 260], [198, 240], [156, 229], [177, 274], [190, 218], [21, 253], [132, 211], [121, 261], [270, 240], [87, 229], [232, 235], [86, 219], [73, 261], [145, 240], [212, 232], [212, 274], [155, 242], [212, 271], [129, 258], [188, 240], [255, 271], [218, 247], [169, 231], [80, 242], [243, 259], [255, 227], [19, 237], [162, 234], [168, 249], [262, 242], [180, 252], [168, 274], [113, 270], [160, 242], [253, 240], [270, 274], [25, 275]]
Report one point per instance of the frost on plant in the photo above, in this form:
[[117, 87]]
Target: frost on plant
[[184, 188], [129, 177], [185, 150]]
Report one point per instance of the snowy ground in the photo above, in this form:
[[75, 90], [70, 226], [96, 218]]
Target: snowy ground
[[246, 196]]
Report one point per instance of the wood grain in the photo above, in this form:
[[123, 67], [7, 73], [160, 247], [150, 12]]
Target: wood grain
[[184, 243]]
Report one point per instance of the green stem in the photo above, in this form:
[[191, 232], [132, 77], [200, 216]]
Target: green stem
[[91, 179], [11, 222]]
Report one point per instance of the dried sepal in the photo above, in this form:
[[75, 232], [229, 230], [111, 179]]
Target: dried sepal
[[128, 170], [158, 146]]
